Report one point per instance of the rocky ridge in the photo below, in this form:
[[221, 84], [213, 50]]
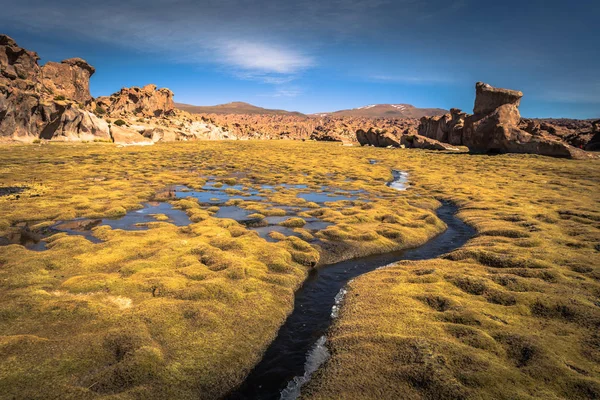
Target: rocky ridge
[[53, 102], [236, 107], [386, 111]]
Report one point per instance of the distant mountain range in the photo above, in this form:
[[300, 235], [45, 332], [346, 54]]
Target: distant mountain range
[[237, 107], [370, 111], [387, 111]]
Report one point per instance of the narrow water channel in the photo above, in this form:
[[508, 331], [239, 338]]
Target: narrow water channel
[[299, 347]]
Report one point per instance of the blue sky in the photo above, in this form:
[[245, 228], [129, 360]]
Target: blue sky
[[318, 55]]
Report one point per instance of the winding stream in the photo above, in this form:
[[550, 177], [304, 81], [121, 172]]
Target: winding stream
[[299, 348]]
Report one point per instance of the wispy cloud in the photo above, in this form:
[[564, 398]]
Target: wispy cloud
[[181, 31], [266, 40], [285, 91], [263, 58]]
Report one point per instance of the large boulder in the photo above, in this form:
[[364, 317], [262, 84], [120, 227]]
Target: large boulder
[[491, 132], [143, 102], [489, 98], [68, 122], [577, 133], [69, 79], [127, 136], [408, 139], [422, 142]]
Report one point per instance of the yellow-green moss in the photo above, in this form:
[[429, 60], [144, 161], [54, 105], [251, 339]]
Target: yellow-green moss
[[511, 315]]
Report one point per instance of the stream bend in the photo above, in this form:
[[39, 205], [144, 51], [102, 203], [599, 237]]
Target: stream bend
[[299, 348]]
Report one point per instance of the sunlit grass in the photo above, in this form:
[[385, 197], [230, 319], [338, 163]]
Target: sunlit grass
[[514, 314], [173, 312]]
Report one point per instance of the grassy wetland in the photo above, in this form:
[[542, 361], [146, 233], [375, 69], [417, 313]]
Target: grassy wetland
[[186, 311], [176, 311], [514, 314]]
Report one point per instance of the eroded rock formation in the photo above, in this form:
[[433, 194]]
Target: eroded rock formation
[[44, 102], [496, 127], [446, 128], [489, 98], [304, 127], [53, 102], [409, 139], [69, 79], [144, 102], [594, 143], [577, 133]]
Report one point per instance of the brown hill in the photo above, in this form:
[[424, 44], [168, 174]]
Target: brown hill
[[387, 111], [237, 107]]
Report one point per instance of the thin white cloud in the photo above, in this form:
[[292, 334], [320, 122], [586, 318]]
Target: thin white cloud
[[285, 91], [263, 57], [182, 31]]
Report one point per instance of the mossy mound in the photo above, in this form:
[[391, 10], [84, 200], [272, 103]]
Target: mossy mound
[[511, 315]]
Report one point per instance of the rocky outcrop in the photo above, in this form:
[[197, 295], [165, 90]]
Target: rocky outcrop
[[489, 98], [303, 127], [142, 102], [69, 79], [408, 139], [16, 62], [53, 102], [594, 143], [577, 133], [422, 142], [446, 128], [377, 137], [184, 130], [127, 136], [30, 107], [67, 122], [20, 111], [495, 127]]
